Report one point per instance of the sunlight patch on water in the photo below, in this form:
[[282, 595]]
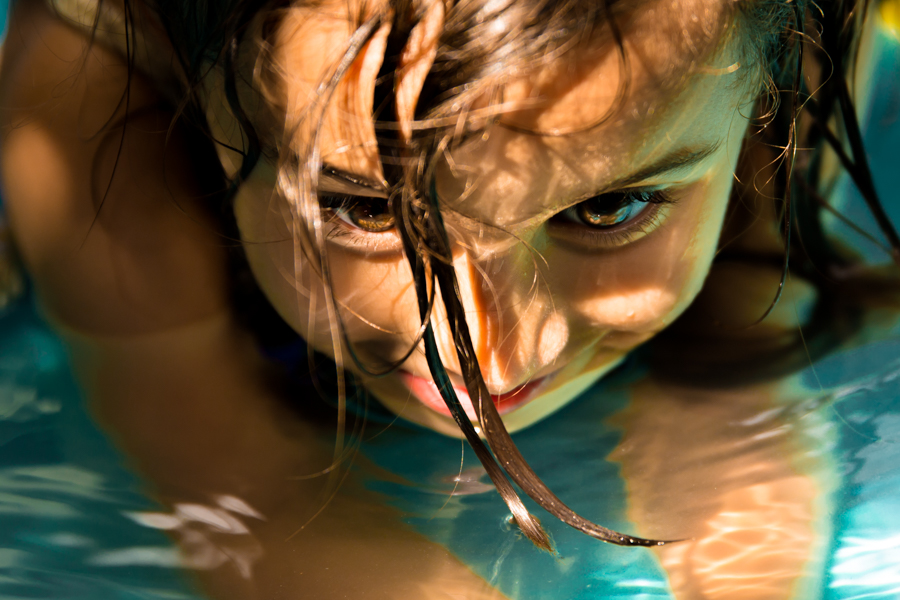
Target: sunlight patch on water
[[138, 556], [18, 404], [199, 529], [754, 548], [868, 567]]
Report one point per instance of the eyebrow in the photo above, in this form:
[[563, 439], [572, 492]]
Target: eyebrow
[[676, 161]]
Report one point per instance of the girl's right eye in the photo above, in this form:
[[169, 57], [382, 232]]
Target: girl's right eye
[[370, 215], [360, 223]]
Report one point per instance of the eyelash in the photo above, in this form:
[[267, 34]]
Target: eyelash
[[571, 228], [568, 225]]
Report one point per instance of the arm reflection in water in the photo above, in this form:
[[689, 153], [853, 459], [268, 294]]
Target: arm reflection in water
[[200, 427], [748, 483]]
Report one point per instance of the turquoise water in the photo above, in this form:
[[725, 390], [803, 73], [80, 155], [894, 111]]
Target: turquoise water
[[865, 553], [70, 509], [718, 467], [65, 492]]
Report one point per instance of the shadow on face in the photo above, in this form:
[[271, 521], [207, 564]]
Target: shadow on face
[[584, 213]]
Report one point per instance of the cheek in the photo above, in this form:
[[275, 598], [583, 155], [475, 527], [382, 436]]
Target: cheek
[[376, 295], [375, 298], [642, 288], [295, 293]]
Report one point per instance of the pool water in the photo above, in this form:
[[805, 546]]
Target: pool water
[[65, 492], [767, 487], [783, 490], [788, 491]]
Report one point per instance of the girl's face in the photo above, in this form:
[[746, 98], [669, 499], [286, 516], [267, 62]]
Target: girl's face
[[570, 250]]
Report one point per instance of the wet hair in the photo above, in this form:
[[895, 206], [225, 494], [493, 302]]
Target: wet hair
[[801, 124], [780, 40]]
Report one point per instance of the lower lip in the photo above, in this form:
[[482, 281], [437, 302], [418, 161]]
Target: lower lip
[[427, 393]]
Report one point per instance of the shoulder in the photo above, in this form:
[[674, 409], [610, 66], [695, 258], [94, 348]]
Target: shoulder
[[106, 198]]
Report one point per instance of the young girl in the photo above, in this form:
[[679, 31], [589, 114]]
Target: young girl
[[475, 210]]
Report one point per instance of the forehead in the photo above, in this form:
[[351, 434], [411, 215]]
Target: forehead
[[603, 94], [589, 131], [656, 51]]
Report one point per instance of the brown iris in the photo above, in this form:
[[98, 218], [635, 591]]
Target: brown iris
[[609, 210], [368, 214]]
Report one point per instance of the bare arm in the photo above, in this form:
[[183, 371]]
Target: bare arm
[[147, 259], [138, 287]]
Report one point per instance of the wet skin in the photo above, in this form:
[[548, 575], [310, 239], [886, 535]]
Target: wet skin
[[545, 295]]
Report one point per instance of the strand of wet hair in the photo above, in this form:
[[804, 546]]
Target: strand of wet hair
[[527, 523], [861, 173], [411, 225], [789, 158]]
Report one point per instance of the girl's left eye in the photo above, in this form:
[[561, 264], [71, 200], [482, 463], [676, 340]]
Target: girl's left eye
[[608, 211], [611, 220]]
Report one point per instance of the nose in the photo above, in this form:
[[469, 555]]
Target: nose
[[516, 330]]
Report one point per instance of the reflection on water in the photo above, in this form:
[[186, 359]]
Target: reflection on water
[[195, 527], [749, 481], [569, 451], [778, 491], [64, 493], [866, 556]]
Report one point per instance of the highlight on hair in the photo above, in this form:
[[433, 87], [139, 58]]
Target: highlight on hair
[[781, 39]]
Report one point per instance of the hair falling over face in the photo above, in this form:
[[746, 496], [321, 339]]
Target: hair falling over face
[[443, 71]]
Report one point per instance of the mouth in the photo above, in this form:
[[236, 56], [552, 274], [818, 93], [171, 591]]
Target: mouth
[[426, 391]]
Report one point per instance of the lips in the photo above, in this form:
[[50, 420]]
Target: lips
[[428, 394]]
